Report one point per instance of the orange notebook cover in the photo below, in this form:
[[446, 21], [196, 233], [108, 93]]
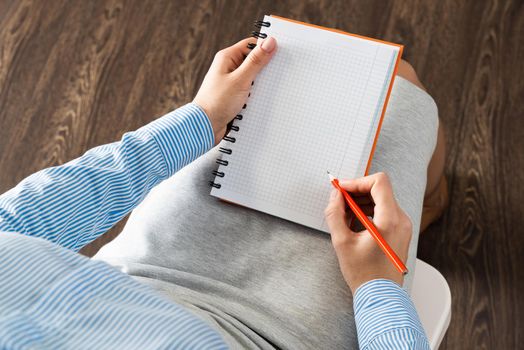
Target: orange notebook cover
[[318, 105]]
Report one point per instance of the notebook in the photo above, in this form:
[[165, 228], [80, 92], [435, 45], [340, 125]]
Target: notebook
[[317, 106]]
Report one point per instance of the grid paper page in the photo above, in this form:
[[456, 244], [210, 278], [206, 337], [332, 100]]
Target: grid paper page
[[315, 107]]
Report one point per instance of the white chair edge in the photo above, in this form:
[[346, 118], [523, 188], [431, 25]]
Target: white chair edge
[[441, 323]]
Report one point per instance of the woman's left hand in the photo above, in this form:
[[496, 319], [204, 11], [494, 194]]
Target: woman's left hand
[[227, 84]]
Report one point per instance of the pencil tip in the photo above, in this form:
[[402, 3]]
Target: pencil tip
[[331, 177]]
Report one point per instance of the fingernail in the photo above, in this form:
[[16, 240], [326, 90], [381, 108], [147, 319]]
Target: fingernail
[[333, 194], [268, 45]]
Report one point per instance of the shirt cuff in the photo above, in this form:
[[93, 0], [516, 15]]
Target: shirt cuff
[[182, 136], [381, 306]]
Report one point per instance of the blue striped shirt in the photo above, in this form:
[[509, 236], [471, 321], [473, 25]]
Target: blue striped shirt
[[51, 297], [386, 317]]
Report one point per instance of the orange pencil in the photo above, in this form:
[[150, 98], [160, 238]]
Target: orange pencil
[[368, 224]]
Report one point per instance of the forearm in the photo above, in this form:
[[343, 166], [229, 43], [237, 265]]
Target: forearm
[[75, 203], [386, 317]]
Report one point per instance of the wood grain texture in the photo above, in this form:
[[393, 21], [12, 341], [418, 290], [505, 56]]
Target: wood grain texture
[[76, 74]]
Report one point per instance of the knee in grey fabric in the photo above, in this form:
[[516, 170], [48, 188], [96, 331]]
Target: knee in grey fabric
[[261, 281]]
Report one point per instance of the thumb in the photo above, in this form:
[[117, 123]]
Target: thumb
[[257, 59], [335, 214]]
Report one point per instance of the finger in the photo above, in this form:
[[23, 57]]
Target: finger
[[386, 210], [377, 185], [229, 59], [257, 59], [241, 46], [239, 51], [335, 214]]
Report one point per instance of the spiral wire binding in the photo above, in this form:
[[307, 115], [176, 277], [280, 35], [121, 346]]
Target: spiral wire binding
[[260, 24], [259, 34], [231, 126]]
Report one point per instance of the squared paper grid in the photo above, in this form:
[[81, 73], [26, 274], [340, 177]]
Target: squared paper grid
[[312, 109]]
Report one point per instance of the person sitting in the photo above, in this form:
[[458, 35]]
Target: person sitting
[[192, 272]]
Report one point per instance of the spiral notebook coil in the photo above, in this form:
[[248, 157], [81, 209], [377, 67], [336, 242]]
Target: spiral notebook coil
[[231, 126]]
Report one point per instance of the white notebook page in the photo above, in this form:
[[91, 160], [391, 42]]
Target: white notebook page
[[315, 107]]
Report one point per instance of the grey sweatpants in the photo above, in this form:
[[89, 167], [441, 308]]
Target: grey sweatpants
[[261, 281]]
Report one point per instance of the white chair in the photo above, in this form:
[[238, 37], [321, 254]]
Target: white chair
[[432, 298]]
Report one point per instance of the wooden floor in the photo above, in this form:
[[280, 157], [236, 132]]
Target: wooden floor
[[76, 74]]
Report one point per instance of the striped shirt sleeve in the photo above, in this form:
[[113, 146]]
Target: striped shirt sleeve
[[386, 317], [73, 204]]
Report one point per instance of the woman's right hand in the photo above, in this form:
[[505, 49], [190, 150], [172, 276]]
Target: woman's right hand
[[359, 256]]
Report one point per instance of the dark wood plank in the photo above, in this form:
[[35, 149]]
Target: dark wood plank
[[478, 242], [76, 74]]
